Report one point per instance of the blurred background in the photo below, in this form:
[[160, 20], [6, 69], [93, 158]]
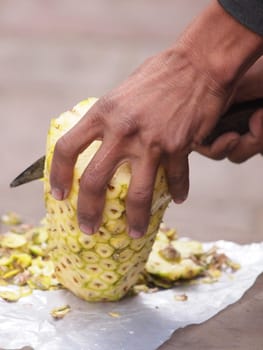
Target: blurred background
[[54, 53]]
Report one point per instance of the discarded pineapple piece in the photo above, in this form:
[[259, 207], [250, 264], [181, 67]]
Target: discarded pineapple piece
[[215, 273], [41, 282], [170, 260], [24, 260], [233, 265], [169, 253], [3, 282], [10, 273], [181, 297], [11, 218], [10, 296], [40, 235], [21, 279], [36, 250], [138, 288], [60, 312], [114, 314], [21, 260], [6, 260], [12, 240], [25, 291]]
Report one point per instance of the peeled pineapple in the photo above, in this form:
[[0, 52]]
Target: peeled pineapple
[[103, 266]]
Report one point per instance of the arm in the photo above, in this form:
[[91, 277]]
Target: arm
[[156, 117]]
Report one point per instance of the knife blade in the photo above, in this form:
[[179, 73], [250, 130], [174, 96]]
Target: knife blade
[[235, 119], [33, 172]]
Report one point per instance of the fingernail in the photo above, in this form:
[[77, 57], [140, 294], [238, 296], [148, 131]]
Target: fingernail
[[179, 200], [135, 234], [86, 229], [57, 194]]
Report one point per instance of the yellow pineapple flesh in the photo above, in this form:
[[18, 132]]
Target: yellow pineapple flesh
[[105, 265]]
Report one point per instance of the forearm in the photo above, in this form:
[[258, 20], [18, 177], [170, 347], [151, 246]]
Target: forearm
[[221, 46]]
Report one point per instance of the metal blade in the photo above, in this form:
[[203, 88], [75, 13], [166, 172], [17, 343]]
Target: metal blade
[[235, 119], [33, 172]]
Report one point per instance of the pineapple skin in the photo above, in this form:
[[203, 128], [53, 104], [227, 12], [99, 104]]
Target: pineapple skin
[[105, 265]]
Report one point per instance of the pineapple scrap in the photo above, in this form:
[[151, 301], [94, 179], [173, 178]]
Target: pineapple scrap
[[9, 295], [174, 262], [10, 218], [24, 259], [14, 295], [170, 259], [12, 240], [114, 314], [60, 312], [181, 297]]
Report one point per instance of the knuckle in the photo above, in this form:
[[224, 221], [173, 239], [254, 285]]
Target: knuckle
[[106, 105], [140, 198], [174, 179], [126, 126], [64, 147], [87, 217], [174, 145], [90, 183]]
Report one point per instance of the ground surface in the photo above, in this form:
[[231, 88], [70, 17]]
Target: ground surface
[[55, 53]]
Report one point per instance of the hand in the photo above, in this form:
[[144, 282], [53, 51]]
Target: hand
[[139, 122], [235, 147], [156, 117], [231, 145]]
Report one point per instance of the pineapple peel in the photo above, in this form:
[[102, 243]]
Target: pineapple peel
[[60, 312]]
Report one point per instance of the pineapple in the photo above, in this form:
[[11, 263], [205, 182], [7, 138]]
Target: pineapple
[[105, 265], [172, 259]]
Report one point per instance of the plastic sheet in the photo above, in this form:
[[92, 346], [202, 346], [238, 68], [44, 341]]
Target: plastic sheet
[[143, 322]]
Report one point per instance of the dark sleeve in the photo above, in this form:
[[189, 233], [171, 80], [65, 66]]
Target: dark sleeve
[[247, 12]]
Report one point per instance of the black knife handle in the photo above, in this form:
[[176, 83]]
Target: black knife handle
[[235, 119]]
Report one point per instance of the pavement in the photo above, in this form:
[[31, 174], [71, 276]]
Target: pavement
[[54, 53]]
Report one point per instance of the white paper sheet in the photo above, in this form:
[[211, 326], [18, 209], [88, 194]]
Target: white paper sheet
[[145, 321]]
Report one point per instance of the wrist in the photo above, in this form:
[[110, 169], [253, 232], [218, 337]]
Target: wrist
[[220, 46]]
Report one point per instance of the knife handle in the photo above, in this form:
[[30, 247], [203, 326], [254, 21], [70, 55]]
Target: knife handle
[[236, 119]]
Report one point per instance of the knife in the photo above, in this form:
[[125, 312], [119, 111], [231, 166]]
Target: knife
[[235, 119]]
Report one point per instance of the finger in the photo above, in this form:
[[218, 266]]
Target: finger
[[220, 148], [250, 143], [139, 198], [66, 152], [93, 185], [177, 174]]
